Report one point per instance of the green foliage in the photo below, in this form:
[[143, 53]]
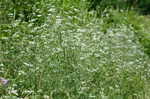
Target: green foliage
[[144, 6], [141, 5], [145, 40], [71, 54], [141, 26], [28, 10], [102, 4]]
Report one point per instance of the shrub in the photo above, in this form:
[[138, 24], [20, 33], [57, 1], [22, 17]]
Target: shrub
[[141, 5]]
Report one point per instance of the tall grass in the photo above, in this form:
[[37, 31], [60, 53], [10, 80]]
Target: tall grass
[[72, 54]]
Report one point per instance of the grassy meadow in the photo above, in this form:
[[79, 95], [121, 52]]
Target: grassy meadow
[[64, 51]]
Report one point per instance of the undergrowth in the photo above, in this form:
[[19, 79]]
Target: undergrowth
[[73, 54]]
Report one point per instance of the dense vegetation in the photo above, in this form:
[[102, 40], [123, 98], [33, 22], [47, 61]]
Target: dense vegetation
[[64, 49], [139, 5]]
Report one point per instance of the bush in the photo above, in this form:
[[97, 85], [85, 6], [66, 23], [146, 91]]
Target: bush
[[144, 6], [141, 5]]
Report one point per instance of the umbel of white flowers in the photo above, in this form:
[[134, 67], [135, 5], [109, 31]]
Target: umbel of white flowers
[[3, 81]]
